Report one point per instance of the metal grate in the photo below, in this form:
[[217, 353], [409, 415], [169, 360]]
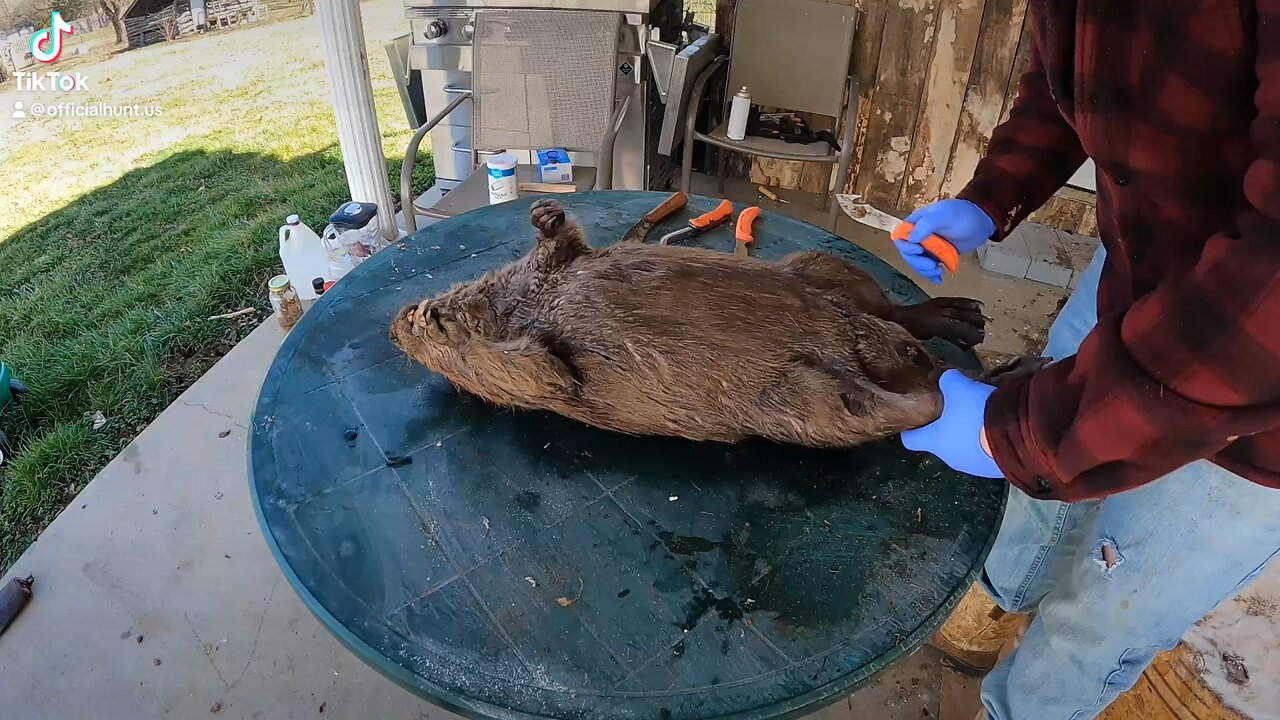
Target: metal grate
[[543, 78]]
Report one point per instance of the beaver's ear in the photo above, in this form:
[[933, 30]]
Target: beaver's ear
[[858, 401]]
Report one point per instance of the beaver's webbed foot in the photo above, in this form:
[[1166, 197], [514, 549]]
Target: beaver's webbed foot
[[548, 216], [560, 239], [959, 320]]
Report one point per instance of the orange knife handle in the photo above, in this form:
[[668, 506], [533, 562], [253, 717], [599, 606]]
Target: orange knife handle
[[743, 231], [937, 246], [715, 217], [668, 206]]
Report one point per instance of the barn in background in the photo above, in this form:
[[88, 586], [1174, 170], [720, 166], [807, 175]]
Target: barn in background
[[152, 21]]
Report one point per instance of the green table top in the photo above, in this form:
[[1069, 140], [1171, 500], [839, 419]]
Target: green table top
[[511, 564]]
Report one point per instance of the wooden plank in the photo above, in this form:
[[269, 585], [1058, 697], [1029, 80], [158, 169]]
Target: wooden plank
[[866, 61], [733, 165], [1060, 212], [1089, 223], [946, 84], [909, 35], [997, 49], [783, 174], [1070, 209], [1020, 64], [816, 177]]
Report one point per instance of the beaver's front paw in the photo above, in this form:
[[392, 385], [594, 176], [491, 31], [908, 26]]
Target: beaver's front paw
[[958, 320], [547, 216], [438, 323]]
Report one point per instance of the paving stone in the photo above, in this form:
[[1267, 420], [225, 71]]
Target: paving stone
[[1049, 274], [1050, 262], [1007, 257], [1077, 250]]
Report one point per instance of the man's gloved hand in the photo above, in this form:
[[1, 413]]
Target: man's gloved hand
[[959, 222], [956, 436]]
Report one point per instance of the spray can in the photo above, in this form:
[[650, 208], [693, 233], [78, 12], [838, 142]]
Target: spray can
[[739, 109]]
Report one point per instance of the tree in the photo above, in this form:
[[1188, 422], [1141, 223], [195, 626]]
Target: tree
[[115, 10], [15, 14], [70, 9]]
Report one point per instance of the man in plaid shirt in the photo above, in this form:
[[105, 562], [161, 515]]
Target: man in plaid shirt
[[1146, 458]]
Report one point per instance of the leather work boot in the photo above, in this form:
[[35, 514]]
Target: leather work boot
[[975, 637]]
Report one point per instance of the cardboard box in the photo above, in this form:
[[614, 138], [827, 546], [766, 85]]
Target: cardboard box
[[554, 166]]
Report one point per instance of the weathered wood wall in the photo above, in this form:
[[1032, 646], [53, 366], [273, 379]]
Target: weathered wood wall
[[935, 78], [175, 18]]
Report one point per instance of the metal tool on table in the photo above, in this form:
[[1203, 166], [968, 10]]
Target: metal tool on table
[[935, 245], [701, 224], [640, 230], [742, 232]]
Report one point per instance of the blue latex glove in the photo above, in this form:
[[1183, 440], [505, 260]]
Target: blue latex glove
[[954, 437], [959, 222]]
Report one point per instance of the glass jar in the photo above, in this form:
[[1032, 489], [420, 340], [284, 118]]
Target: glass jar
[[340, 263], [284, 300]]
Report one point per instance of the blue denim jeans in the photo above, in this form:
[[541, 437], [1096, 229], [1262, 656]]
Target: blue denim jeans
[[1115, 581]]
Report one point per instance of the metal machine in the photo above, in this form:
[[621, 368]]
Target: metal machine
[[441, 43]]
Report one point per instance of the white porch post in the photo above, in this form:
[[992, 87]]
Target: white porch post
[[348, 68]]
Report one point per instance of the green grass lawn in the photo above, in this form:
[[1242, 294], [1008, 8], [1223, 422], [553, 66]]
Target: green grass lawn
[[121, 237]]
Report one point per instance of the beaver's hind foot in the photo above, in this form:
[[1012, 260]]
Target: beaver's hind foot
[[547, 216]]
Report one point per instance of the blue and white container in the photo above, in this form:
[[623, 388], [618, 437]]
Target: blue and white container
[[502, 178], [554, 166]]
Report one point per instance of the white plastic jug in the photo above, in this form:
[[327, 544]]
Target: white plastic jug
[[304, 256]]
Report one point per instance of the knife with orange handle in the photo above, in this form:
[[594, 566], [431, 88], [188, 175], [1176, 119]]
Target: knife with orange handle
[[742, 232], [700, 224], [941, 250]]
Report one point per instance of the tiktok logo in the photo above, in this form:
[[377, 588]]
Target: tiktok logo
[[46, 45]]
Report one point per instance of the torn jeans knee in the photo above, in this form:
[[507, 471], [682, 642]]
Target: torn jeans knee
[[1106, 555]]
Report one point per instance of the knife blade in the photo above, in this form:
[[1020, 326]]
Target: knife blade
[[640, 230], [937, 246]]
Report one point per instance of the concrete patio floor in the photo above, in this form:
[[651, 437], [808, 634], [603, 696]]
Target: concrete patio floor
[[156, 595]]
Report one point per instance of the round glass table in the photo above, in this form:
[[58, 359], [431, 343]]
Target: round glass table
[[510, 564]]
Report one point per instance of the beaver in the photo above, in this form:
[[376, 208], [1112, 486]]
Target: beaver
[[681, 341]]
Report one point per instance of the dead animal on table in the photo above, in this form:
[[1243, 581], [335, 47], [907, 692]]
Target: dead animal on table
[[687, 342]]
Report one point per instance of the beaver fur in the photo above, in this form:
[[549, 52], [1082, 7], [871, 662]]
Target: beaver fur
[[686, 342]]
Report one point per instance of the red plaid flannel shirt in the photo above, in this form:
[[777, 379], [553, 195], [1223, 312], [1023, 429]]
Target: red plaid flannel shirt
[[1178, 104]]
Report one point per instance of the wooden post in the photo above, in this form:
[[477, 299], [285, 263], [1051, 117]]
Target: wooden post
[[347, 66]]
